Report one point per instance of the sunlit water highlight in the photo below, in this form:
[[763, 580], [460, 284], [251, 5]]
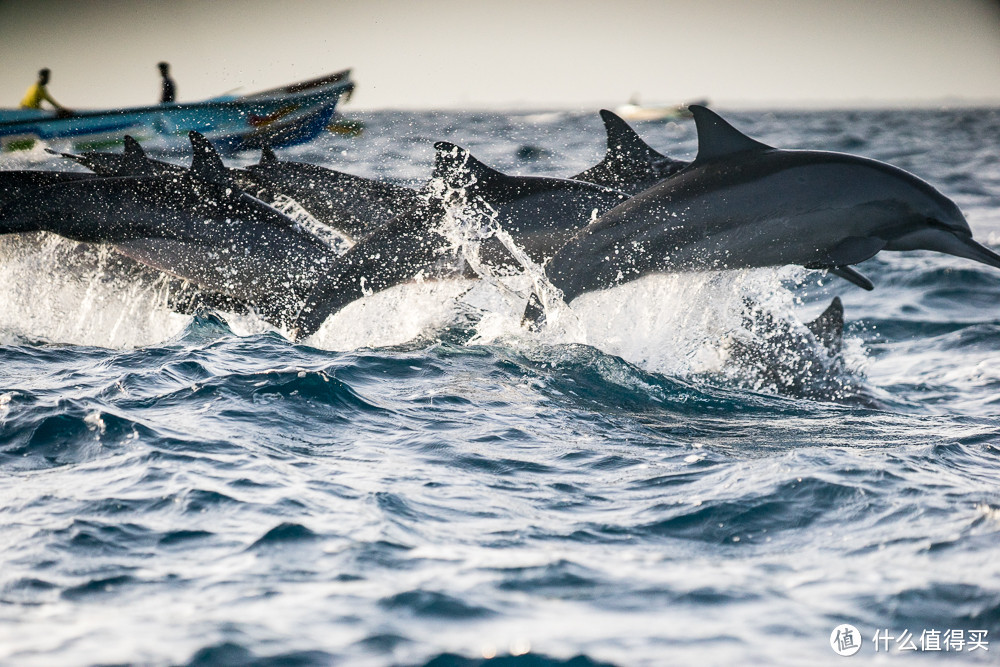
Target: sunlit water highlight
[[425, 479]]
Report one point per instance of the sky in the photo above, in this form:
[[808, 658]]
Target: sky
[[527, 54]]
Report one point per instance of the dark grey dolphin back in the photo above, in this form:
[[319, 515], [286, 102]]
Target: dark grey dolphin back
[[132, 161], [540, 213], [16, 184], [353, 205]]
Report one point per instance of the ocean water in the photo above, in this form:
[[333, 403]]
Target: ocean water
[[424, 482]]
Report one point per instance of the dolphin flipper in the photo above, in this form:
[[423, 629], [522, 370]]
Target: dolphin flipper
[[851, 250], [854, 276], [854, 250]]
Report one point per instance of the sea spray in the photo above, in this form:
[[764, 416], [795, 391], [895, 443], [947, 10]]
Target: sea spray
[[64, 292], [333, 238]]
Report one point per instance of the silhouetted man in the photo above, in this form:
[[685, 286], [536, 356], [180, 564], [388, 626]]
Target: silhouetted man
[[38, 93], [169, 93]]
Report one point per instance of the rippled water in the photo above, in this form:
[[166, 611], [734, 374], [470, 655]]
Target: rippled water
[[423, 481]]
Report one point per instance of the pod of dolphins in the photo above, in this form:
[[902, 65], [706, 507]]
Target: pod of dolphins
[[739, 204]]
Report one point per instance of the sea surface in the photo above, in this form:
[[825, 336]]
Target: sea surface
[[425, 482]]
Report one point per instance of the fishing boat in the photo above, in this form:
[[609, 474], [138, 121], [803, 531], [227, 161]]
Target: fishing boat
[[635, 111], [284, 116]]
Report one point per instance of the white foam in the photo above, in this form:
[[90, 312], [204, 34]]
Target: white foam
[[55, 290], [672, 324], [392, 317]]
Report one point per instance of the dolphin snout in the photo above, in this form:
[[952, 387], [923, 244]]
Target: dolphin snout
[[958, 243], [970, 249]]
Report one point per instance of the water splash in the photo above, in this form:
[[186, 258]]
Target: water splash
[[60, 291], [401, 314], [681, 325], [333, 238]]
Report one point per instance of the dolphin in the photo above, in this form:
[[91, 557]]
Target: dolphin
[[351, 204], [744, 204], [630, 164], [132, 161], [196, 225], [183, 296], [804, 360], [18, 183], [539, 213]]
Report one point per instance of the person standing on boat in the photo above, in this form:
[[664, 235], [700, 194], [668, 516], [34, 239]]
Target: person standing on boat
[[38, 93], [169, 93]]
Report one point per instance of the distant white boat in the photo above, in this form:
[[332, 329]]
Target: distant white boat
[[634, 110]]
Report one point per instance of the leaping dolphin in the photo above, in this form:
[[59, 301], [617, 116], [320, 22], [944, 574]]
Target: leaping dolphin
[[351, 204], [744, 204], [539, 213], [197, 225], [132, 161]]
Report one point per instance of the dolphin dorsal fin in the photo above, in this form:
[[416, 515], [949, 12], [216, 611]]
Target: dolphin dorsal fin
[[134, 160], [717, 138], [132, 148], [206, 163], [455, 165], [267, 155], [624, 143], [829, 327]]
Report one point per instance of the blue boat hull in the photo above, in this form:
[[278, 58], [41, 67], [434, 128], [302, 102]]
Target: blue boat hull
[[280, 117]]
